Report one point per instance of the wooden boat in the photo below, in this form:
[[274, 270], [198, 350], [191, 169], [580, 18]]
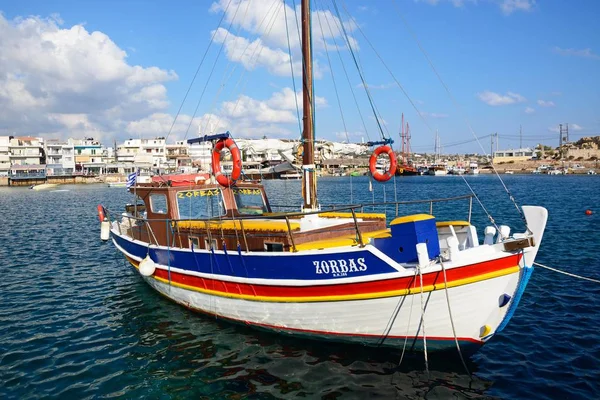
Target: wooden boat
[[216, 246], [405, 166]]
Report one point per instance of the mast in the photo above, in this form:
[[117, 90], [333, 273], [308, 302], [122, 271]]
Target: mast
[[403, 140], [408, 145], [309, 180]]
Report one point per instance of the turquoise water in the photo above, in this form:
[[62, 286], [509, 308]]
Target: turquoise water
[[77, 322]]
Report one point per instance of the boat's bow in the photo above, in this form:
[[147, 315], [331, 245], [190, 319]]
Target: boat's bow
[[536, 218]]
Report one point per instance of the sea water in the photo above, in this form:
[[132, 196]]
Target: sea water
[[77, 322]]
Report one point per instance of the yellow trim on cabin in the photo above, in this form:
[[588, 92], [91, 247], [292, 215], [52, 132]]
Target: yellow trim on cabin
[[249, 225], [333, 214], [349, 240], [360, 296], [411, 218], [442, 224]]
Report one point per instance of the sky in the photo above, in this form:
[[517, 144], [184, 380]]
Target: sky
[[115, 70]]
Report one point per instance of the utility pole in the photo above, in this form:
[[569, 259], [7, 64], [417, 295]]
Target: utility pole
[[520, 137], [560, 131]]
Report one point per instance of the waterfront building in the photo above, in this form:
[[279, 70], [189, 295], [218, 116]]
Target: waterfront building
[[26, 150], [4, 155], [88, 156], [143, 153], [514, 155], [178, 159], [60, 157]]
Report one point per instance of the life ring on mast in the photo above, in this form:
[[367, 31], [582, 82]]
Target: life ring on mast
[[216, 162], [386, 176]]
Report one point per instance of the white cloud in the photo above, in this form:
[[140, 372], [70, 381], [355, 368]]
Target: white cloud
[[495, 99], [510, 6], [575, 127], [585, 53], [529, 110], [66, 81], [544, 103], [267, 19]]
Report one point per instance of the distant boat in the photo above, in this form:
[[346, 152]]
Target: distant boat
[[437, 170], [117, 184], [509, 172], [591, 172], [457, 171], [473, 169], [291, 175], [44, 186], [405, 167]]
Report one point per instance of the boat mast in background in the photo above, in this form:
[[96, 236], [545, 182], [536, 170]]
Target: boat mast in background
[[309, 178]]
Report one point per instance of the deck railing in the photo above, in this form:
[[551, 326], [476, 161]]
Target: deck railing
[[135, 224]]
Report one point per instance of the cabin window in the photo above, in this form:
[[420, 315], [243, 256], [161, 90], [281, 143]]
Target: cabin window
[[195, 242], [200, 204], [158, 203], [273, 246], [249, 201], [207, 244]]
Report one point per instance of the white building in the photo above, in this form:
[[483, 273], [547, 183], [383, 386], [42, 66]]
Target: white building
[[145, 153], [4, 155], [26, 150], [60, 157]]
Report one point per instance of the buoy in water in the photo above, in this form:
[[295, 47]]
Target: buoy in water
[[147, 266], [588, 212]]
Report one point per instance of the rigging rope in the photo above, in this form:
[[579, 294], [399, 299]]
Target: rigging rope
[[567, 273], [337, 48], [197, 71], [423, 321], [292, 67], [211, 73], [225, 78], [337, 95], [360, 73], [460, 110], [451, 318]]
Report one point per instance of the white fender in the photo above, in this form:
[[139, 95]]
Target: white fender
[[147, 266], [105, 230]]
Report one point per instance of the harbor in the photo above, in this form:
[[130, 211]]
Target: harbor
[[82, 333]]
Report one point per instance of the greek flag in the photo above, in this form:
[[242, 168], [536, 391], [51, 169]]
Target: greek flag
[[131, 179]]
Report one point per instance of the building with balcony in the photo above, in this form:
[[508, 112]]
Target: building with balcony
[[178, 159], [60, 157], [4, 155], [26, 150]]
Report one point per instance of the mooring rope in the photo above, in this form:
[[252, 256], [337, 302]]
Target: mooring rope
[[423, 322], [452, 319], [567, 273]]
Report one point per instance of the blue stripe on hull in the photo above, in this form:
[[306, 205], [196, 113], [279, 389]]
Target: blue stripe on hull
[[264, 266]]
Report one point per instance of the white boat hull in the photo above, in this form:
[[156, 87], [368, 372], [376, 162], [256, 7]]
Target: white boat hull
[[383, 321]]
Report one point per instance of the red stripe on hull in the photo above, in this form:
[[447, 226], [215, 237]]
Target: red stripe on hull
[[340, 289]]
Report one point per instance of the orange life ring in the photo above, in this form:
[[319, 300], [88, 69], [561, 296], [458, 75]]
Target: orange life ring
[[216, 162], [373, 162], [101, 214]]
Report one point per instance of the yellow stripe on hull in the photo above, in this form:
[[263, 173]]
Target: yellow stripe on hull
[[360, 296]]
